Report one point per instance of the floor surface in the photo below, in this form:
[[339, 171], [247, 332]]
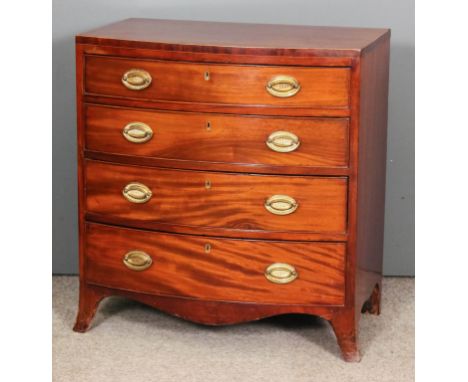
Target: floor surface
[[130, 342]]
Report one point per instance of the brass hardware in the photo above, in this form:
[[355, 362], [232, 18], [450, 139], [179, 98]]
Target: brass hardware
[[207, 184], [137, 193], [283, 86], [281, 273], [207, 247], [281, 205], [136, 79], [283, 141], [208, 125], [137, 132], [137, 260], [207, 76]]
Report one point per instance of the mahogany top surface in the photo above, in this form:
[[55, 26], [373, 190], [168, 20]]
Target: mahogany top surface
[[239, 38]]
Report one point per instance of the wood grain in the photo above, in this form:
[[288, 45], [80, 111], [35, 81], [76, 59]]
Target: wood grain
[[371, 172], [230, 84], [234, 201], [227, 139], [338, 175], [200, 311], [79, 56], [265, 110], [252, 168], [88, 304], [233, 270], [235, 38], [296, 58]]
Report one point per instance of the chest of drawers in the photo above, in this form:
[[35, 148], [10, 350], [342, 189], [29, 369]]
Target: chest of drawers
[[230, 172]]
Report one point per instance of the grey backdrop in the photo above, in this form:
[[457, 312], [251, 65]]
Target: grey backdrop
[[74, 16]]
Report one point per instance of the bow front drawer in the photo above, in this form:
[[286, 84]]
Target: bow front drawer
[[221, 84], [215, 269], [140, 196], [206, 137]]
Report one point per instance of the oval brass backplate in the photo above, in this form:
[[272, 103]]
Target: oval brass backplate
[[283, 86], [283, 141], [281, 205], [137, 132], [137, 260], [136, 79], [281, 273], [137, 193]]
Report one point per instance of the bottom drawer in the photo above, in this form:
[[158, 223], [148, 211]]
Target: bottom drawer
[[215, 268]]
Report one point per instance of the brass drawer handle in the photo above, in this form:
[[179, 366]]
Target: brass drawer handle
[[137, 132], [281, 273], [283, 86], [137, 260], [281, 205], [137, 193], [136, 79], [283, 141]]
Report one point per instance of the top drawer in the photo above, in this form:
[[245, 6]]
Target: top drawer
[[221, 84]]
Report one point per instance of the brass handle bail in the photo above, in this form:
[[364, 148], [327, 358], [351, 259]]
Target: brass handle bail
[[137, 132], [136, 79], [283, 141], [283, 86], [137, 260], [137, 193], [281, 205], [281, 273]]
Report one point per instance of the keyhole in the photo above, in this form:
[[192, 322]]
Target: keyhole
[[207, 184], [208, 125], [207, 248], [207, 75]]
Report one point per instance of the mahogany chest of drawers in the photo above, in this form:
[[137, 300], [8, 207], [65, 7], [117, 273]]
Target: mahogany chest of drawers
[[229, 172]]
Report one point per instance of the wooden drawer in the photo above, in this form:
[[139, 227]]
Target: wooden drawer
[[318, 142], [216, 269], [210, 199], [220, 84]]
